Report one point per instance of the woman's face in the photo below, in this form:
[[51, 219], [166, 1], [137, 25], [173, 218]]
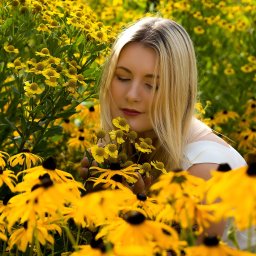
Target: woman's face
[[132, 87]]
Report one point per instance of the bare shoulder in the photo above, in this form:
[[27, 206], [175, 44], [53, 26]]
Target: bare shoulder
[[202, 170]]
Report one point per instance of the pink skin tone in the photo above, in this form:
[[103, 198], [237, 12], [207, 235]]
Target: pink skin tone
[[132, 87]]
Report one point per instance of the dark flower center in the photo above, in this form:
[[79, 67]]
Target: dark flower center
[[49, 163], [92, 109], [211, 241], [224, 167], [134, 217], [141, 197], [251, 171]]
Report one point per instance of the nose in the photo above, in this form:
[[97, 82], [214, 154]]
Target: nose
[[133, 93]]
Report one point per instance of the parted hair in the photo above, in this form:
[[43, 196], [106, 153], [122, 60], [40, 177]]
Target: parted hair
[[174, 101]]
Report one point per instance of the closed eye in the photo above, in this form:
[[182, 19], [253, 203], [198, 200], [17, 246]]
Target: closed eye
[[123, 78]]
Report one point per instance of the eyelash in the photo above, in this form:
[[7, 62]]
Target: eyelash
[[149, 86]]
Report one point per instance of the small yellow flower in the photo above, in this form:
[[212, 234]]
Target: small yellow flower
[[52, 81], [117, 135], [99, 153], [10, 48], [199, 30], [144, 146], [159, 166], [32, 88], [252, 59], [111, 150], [44, 53], [247, 68], [229, 71], [121, 123], [17, 64], [49, 73]]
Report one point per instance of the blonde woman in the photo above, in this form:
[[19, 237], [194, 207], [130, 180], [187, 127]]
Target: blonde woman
[[150, 79]]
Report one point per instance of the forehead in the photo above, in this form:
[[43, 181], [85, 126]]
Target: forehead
[[138, 56]]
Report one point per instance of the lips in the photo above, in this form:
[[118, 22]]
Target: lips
[[130, 112]]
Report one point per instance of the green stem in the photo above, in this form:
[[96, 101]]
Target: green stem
[[78, 235], [70, 236]]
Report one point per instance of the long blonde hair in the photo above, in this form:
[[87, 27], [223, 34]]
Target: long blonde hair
[[173, 106]]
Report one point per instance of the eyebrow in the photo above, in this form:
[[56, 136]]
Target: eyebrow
[[129, 71]]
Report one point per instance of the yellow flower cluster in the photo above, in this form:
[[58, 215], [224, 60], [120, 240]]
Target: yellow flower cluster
[[167, 219]]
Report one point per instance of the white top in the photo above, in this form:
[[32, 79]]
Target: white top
[[206, 151]]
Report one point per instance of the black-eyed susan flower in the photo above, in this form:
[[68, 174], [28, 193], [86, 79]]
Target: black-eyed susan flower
[[134, 229], [44, 198], [243, 179], [212, 247], [3, 159], [48, 167], [129, 173], [78, 143], [88, 250], [26, 233], [225, 115], [25, 159], [121, 124], [8, 177]]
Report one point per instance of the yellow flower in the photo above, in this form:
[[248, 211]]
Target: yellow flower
[[224, 116], [43, 53], [144, 146], [48, 167], [129, 173], [3, 158], [117, 135], [50, 73], [10, 48], [229, 71], [91, 251], [199, 30], [111, 150], [99, 153], [212, 247], [23, 236], [252, 59], [24, 158], [32, 88], [52, 81], [79, 143], [159, 166], [121, 123], [134, 230], [247, 68], [8, 177], [17, 64]]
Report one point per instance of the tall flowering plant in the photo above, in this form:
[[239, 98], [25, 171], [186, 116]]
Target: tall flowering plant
[[49, 61]]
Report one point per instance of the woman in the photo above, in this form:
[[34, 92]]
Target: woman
[[150, 79]]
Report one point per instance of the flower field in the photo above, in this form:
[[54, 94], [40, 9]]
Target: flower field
[[51, 56]]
